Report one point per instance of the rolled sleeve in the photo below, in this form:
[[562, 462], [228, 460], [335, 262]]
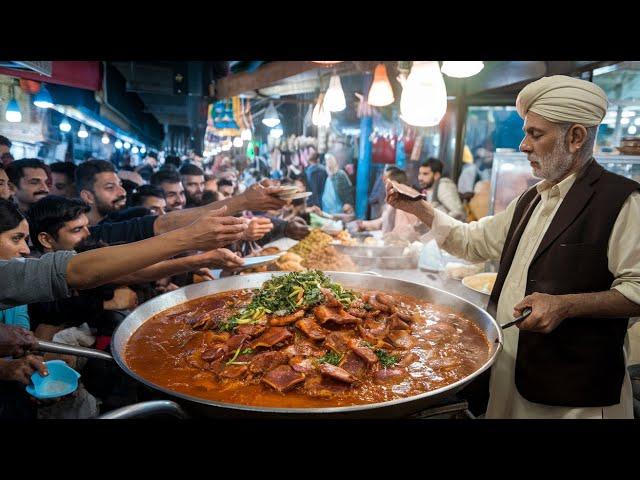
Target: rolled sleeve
[[476, 241], [624, 250], [30, 280]]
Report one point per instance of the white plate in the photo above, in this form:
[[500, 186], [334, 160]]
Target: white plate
[[480, 281], [250, 262], [286, 189], [295, 196]]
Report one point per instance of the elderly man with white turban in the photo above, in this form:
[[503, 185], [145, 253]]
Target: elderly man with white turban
[[568, 249]]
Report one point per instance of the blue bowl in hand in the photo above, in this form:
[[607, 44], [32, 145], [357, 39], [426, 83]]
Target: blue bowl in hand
[[62, 380]]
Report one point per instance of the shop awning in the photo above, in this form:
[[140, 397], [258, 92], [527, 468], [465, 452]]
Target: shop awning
[[86, 75]]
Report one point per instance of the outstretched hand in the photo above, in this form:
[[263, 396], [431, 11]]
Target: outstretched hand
[[16, 341], [260, 199], [420, 208], [212, 230]]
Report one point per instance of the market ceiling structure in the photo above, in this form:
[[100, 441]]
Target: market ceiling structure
[[177, 93]]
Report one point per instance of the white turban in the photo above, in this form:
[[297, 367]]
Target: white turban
[[564, 99]]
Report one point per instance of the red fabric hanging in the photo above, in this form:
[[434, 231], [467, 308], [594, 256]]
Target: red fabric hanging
[[383, 150]]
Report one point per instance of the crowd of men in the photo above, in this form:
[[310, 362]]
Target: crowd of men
[[92, 207]]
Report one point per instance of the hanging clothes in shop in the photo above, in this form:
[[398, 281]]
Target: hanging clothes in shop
[[383, 148]]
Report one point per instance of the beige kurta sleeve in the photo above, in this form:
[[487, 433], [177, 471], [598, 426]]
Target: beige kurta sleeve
[[624, 250], [476, 241], [450, 199]]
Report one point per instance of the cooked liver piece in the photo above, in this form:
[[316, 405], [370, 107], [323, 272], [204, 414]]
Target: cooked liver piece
[[234, 371], [363, 352], [311, 329], [263, 362], [378, 305], [251, 330], [302, 364], [338, 342], [389, 375], [396, 324], [337, 373], [236, 341], [408, 359], [271, 337], [401, 339], [215, 352], [287, 319], [353, 364], [325, 314], [283, 378]]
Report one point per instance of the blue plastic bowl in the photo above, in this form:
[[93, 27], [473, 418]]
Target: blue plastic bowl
[[62, 380]]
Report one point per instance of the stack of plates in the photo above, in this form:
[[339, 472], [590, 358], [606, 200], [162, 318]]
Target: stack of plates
[[291, 193]]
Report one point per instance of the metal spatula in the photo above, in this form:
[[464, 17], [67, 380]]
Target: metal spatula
[[525, 313]]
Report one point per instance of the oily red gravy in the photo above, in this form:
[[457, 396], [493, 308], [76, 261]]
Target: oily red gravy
[[179, 349]]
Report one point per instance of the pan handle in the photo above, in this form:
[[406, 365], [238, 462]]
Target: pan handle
[[53, 347], [144, 409]]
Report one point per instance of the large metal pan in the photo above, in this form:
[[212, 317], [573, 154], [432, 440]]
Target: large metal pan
[[391, 409]]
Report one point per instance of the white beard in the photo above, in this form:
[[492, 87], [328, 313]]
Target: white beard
[[554, 165]]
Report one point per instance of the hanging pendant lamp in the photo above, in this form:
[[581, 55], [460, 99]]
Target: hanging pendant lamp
[[380, 93], [334, 99], [424, 97], [461, 69]]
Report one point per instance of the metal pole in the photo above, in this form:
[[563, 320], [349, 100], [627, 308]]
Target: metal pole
[[364, 157], [461, 122]]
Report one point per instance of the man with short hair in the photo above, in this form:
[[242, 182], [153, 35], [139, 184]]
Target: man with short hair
[[568, 251], [316, 178], [4, 184], [58, 223], [440, 191], [63, 179], [226, 188], [172, 161], [193, 182], [5, 151], [100, 187], [150, 197], [28, 181], [169, 181], [150, 164]]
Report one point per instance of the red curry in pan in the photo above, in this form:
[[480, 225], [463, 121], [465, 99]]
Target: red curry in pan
[[303, 341]]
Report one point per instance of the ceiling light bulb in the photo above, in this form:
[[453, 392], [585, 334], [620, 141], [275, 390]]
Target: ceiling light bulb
[[461, 69], [126, 145], [334, 99], [424, 97], [65, 126], [143, 150], [276, 132], [82, 132], [43, 98], [105, 139], [271, 118], [135, 149], [380, 93], [118, 144], [13, 113], [321, 117]]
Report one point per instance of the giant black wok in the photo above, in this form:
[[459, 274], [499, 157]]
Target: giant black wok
[[390, 409]]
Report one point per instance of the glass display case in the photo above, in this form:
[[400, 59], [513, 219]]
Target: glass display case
[[511, 175]]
